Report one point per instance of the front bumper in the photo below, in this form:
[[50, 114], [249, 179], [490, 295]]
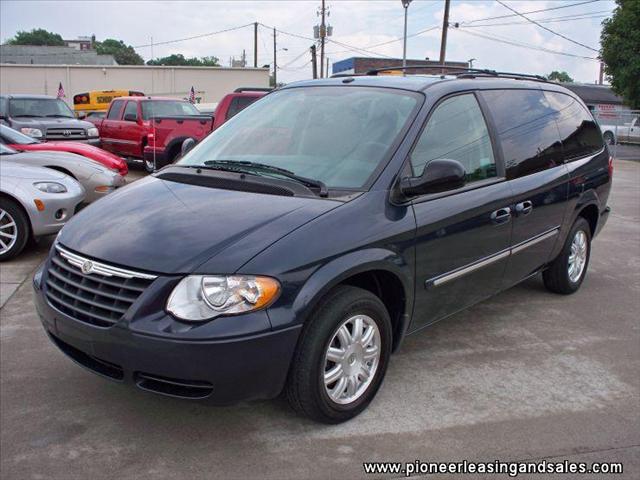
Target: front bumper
[[45, 222], [220, 371]]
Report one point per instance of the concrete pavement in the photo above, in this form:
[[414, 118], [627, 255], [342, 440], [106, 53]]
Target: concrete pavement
[[525, 375]]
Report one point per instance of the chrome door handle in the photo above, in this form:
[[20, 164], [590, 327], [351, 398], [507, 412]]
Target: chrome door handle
[[524, 208], [502, 215]]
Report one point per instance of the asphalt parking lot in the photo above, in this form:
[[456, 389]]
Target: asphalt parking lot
[[525, 375]]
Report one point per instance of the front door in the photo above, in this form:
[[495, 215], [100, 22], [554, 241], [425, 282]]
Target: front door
[[131, 131], [109, 127], [462, 240], [526, 124]]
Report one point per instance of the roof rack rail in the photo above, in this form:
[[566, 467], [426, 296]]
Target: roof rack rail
[[252, 89], [464, 72]]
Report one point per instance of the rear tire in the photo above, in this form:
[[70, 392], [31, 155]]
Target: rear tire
[[149, 166], [14, 229], [349, 334], [609, 138], [567, 272]]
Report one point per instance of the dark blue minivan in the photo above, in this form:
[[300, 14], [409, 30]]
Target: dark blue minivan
[[296, 246]]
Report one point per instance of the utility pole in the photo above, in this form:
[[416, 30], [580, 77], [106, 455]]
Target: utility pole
[[275, 61], [323, 33], [601, 76], [255, 44], [405, 5], [443, 42], [314, 62]]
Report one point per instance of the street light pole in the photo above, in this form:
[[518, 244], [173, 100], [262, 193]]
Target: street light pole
[[405, 5]]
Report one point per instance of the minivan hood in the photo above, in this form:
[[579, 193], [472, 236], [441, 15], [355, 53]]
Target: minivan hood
[[168, 227]]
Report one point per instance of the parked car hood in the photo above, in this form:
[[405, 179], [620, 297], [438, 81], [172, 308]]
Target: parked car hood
[[167, 227], [45, 122], [57, 159], [12, 169]]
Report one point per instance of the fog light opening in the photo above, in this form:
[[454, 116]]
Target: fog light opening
[[60, 214]]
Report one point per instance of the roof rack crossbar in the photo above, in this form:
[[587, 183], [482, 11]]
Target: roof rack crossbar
[[252, 89], [462, 72]]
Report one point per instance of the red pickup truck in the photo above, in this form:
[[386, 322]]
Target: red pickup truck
[[132, 121], [154, 128]]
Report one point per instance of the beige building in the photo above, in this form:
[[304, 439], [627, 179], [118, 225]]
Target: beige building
[[210, 83]]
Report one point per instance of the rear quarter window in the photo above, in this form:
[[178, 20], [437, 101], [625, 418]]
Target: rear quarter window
[[527, 130], [579, 132]]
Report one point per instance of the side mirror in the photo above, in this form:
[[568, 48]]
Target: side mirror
[[439, 175], [187, 145], [130, 117], [82, 115]]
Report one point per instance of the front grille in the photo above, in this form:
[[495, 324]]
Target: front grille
[[100, 297], [66, 134]]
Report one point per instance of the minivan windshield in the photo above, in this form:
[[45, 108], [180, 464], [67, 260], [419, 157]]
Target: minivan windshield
[[338, 135], [39, 107]]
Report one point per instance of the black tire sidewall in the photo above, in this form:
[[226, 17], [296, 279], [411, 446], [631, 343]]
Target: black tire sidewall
[[22, 224], [346, 302], [361, 308]]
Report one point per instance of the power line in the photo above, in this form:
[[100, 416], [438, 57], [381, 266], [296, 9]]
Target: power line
[[568, 18], [546, 28], [529, 12], [516, 43], [195, 36]]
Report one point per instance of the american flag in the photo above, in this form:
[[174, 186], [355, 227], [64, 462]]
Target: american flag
[[61, 91], [192, 95]]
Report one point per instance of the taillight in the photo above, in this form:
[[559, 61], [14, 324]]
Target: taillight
[[610, 166], [82, 98]]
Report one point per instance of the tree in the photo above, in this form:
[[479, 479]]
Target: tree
[[620, 51], [123, 54], [37, 36], [562, 77], [177, 60]]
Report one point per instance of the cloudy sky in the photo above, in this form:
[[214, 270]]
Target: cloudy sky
[[360, 28]]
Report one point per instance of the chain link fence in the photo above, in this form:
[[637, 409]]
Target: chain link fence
[[621, 130]]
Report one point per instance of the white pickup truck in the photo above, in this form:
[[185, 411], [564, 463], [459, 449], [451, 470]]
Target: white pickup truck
[[627, 133]]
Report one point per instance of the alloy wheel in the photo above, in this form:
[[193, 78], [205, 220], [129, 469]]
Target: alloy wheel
[[8, 231], [577, 256]]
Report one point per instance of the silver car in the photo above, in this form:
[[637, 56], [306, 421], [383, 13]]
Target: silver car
[[96, 179], [34, 201]]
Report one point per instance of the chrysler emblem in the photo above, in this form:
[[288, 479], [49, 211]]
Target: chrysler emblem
[[87, 267]]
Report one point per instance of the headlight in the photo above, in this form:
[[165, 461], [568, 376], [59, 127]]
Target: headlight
[[93, 132], [50, 187], [32, 132], [203, 297]]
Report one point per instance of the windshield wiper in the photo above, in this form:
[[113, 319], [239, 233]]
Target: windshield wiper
[[27, 116], [58, 115], [263, 167]]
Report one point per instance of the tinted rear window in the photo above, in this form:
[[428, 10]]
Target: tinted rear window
[[527, 130], [238, 104], [578, 131]]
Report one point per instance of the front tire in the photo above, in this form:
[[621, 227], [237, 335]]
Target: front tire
[[342, 356], [149, 166], [14, 229], [567, 272]]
